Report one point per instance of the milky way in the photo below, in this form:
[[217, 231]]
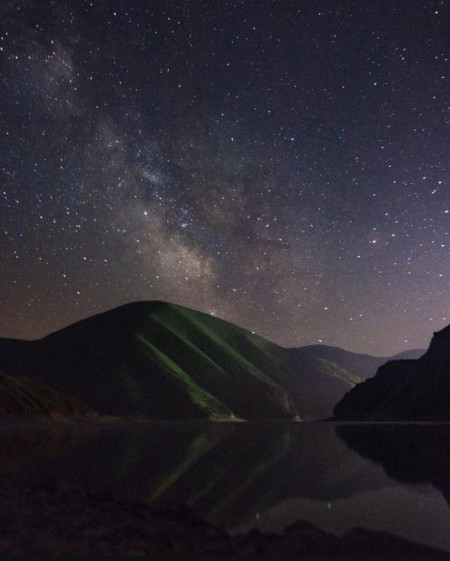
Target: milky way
[[282, 165]]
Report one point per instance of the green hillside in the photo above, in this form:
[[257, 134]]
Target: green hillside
[[154, 360]]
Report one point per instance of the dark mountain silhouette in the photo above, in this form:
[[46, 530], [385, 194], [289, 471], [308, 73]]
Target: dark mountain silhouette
[[404, 390]]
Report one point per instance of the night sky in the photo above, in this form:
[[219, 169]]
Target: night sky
[[283, 165]]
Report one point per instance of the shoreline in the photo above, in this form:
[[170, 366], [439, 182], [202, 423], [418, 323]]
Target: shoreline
[[62, 519]]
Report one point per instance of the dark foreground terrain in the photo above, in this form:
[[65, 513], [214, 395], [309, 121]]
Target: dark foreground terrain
[[63, 520]]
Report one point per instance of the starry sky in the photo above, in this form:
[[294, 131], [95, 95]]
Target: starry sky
[[283, 165]]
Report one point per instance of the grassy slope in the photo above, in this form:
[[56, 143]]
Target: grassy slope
[[204, 400], [160, 360], [319, 382], [26, 398], [206, 345], [226, 351]]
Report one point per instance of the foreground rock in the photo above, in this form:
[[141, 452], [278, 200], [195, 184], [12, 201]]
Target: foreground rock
[[63, 520]]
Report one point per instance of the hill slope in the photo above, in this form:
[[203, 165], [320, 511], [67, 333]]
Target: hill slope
[[361, 365], [28, 399], [405, 390], [316, 383], [152, 359]]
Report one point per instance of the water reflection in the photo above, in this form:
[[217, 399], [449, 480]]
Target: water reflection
[[410, 453], [244, 475]]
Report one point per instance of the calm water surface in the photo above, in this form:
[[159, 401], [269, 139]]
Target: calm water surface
[[391, 477]]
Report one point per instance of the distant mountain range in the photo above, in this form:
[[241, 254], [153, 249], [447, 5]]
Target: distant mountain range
[[159, 360], [404, 390], [362, 364]]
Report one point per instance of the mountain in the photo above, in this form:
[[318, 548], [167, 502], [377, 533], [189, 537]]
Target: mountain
[[361, 365], [160, 360], [314, 383], [155, 360], [29, 399], [404, 390]]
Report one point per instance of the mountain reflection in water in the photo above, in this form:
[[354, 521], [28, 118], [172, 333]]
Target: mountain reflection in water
[[410, 453], [391, 477]]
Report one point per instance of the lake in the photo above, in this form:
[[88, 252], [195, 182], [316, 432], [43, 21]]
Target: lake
[[267, 475]]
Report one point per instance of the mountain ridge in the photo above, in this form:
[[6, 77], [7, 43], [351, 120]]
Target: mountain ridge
[[404, 390], [157, 359]]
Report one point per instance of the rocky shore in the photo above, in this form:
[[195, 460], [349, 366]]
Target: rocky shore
[[63, 520]]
